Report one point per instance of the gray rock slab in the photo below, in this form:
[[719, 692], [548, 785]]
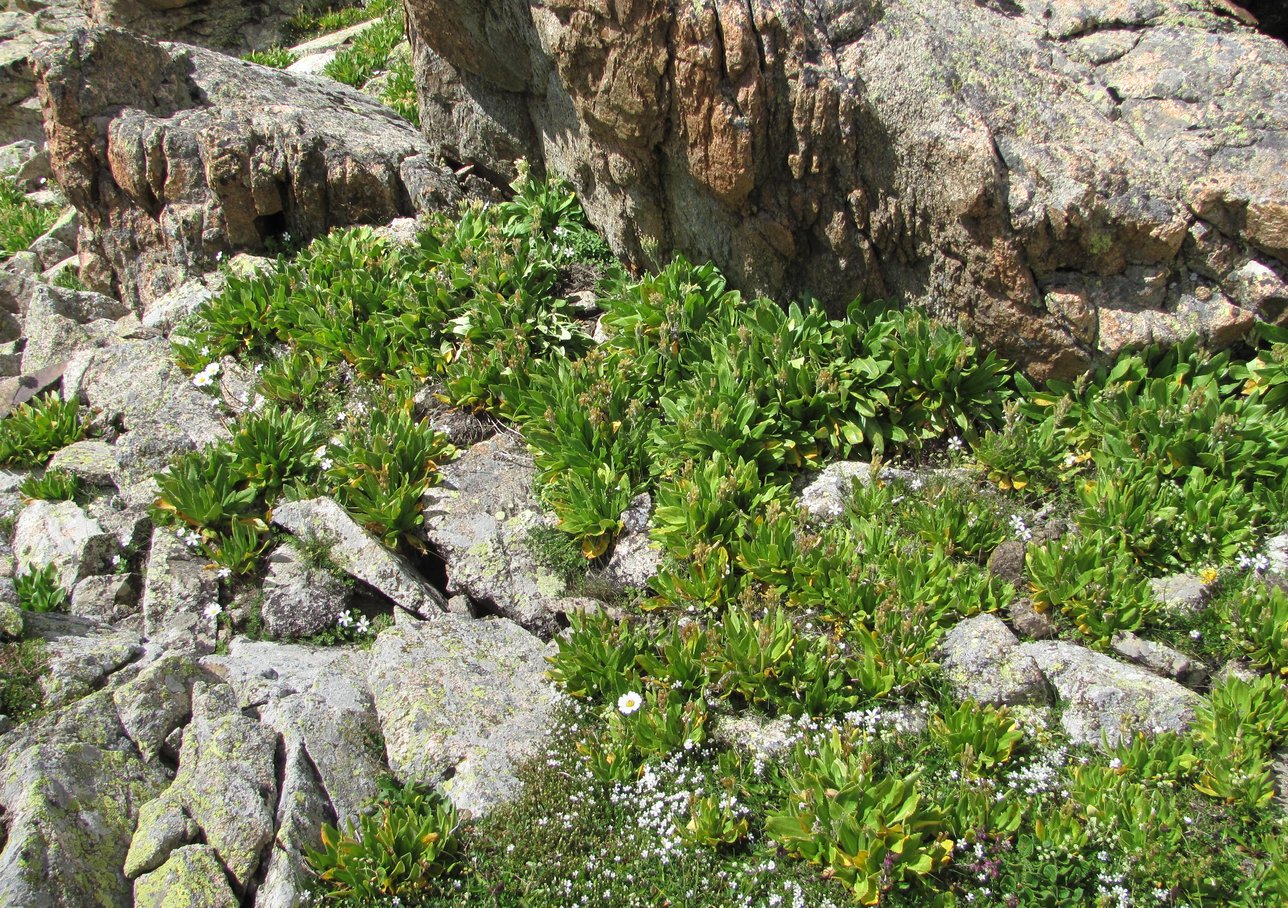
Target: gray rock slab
[[462, 703], [982, 660], [359, 554], [1104, 698]]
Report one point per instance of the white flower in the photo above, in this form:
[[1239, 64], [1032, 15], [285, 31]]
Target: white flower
[[213, 611], [320, 452], [363, 625], [345, 620], [629, 702], [224, 573]]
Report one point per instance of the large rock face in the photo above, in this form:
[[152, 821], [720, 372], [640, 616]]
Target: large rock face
[[1072, 176], [176, 156], [229, 25]]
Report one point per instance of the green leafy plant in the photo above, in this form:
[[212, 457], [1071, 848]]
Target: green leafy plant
[[381, 466], [22, 222], [274, 57], [368, 54], [1094, 582], [22, 665], [400, 90], [1240, 723], [597, 657], [1025, 454], [872, 831], [53, 485], [1260, 625], [403, 849], [39, 590], [35, 430], [273, 448], [713, 822], [240, 546], [639, 728], [204, 489], [978, 738]]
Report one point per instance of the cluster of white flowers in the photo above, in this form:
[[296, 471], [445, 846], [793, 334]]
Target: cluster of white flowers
[[1259, 562], [1042, 775], [206, 376], [1021, 529], [354, 620]]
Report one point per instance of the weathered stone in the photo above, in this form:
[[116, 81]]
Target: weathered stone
[[301, 811], [300, 600], [157, 701], [826, 496], [1030, 622], [479, 520], [59, 322], [137, 386], [461, 702], [995, 160], [175, 156], [1007, 561], [1235, 668], [359, 554], [11, 620], [50, 251], [71, 785], [1104, 698], [180, 595], [82, 655], [91, 460], [226, 785], [982, 660], [636, 559], [22, 27], [107, 598], [1159, 659], [61, 534], [316, 698], [227, 25], [130, 525], [164, 312], [1182, 595], [759, 737], [191, 878]]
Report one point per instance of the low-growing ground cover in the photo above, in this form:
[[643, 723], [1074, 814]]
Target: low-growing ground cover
[[21, 220], [820, 629]]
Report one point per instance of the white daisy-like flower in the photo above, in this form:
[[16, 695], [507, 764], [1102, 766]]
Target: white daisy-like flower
[[629, 702], [213, 611]]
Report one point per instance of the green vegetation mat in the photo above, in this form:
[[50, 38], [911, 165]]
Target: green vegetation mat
[[825, 628]]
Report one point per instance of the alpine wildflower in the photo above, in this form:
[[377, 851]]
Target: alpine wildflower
[[629, 702]]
